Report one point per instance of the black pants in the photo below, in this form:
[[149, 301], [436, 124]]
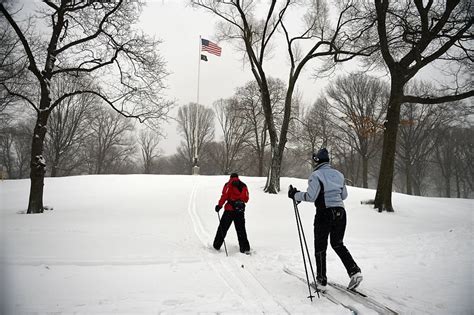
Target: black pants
[[239, 222], [331, 222]]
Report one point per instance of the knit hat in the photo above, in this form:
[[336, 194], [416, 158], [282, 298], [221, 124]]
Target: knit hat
[[321, 156], [234, 175]]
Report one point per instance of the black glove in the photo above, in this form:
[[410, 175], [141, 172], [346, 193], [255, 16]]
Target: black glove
[[291, 192], [218, 208]]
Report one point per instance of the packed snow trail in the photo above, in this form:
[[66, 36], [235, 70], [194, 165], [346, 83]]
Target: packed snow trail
[[339, 294], [237, 278], [326, 295], [134, 239], [364, 299]]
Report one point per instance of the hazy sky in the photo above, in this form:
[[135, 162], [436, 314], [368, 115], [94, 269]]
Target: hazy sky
[[179, 26]]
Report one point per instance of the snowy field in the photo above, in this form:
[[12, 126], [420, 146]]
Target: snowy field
[[138, 244]]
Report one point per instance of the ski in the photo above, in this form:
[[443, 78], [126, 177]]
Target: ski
[[363, 299], [355, 295], [325, 294]]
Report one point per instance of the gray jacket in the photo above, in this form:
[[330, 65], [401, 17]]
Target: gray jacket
[[326, 188]]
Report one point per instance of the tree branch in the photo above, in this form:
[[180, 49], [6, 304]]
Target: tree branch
[[437, 100], [32, 67], [90, 37], [99, 65], [22, 97], [443, 49], [381, 7]]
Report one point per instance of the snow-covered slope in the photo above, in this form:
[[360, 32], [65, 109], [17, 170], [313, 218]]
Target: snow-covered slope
[[141, 244]]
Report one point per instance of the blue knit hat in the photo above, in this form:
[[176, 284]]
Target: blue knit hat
[[321, 156]]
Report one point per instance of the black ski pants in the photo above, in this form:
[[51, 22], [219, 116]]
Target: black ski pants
[[331, 222], [238, 217]]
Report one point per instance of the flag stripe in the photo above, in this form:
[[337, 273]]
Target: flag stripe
[[210, 47]]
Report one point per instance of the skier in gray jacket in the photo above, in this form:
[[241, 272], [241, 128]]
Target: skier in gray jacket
[[327, 189]]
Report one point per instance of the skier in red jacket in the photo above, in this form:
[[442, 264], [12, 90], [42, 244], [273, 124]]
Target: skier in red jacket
[[234, 195]]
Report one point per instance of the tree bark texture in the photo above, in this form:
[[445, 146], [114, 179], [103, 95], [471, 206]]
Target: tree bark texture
[[365, 172], [408, 177], [383, 197], [37, 165], [273, 179]]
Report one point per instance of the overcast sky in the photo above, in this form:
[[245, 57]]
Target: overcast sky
[[179, 26]]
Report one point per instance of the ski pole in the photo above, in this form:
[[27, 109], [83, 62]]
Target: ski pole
[[302, 251], [225, 247], [306, 245]]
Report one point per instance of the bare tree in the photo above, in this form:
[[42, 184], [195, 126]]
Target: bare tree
[[68, 128], [316, 129], [417, 140], [196, 125], [96, 39], [6, 150], [109, 143], [413, 35], [416, 137], [346, 158], [463, 155], [249, 102], [340, 41], [22, 139], [15, 148], [235, 133], [360, 102], [12, 66], [453, 158], [148, 141]]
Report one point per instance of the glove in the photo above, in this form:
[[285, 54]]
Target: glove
[[218, 208], [291, 192]]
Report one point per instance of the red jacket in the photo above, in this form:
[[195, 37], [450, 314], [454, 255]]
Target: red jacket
[[233, 190]]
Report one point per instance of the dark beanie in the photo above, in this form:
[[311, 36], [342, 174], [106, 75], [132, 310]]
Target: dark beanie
[[321, 156], [234, 175]]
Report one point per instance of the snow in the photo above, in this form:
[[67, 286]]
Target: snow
[[40, 160], [140, 244]]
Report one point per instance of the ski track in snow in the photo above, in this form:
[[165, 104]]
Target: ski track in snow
[[97, 263], [242, 282]]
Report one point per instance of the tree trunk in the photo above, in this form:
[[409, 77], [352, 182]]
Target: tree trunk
[[54, 171], [278, 147], [408, 177], [147, 167], [54, 167], [260, 165], [37, 164], [417, 189], [273, 179], [365, 172], [383, 196], [448, 187], [458, 186]]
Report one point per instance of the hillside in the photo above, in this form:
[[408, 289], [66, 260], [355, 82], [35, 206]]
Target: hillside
[[141, 244]]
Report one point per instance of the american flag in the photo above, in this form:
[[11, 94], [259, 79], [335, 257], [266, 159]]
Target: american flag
[[210, 47]]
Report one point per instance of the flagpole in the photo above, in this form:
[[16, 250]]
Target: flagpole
[[195, 166], [199, 68]]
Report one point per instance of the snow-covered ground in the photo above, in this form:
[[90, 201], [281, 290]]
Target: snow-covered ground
[[139, 244]]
